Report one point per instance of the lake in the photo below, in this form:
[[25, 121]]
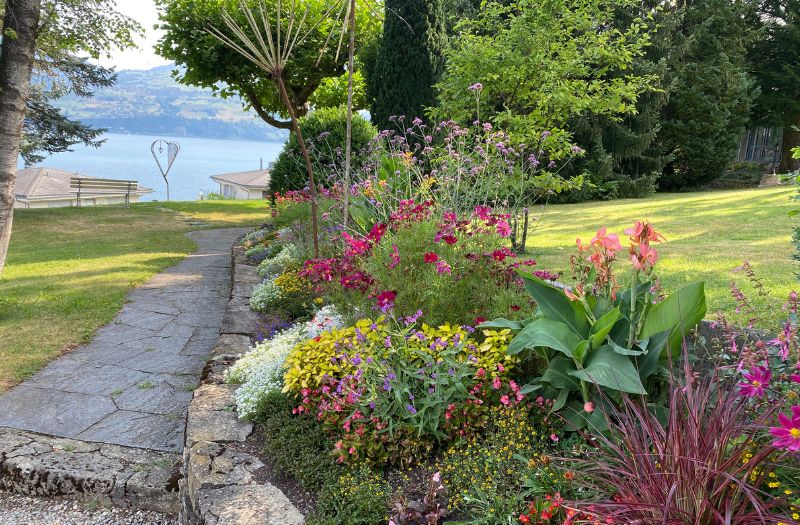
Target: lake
[[129, 157]]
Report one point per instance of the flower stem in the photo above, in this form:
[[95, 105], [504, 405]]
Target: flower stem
[[634, 286]]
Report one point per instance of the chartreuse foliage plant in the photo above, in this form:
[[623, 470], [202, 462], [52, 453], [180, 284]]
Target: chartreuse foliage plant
[[598, 332]]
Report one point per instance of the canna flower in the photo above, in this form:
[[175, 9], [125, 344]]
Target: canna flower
[[606, 241], [787, 436], [646, 258], [757, 380]]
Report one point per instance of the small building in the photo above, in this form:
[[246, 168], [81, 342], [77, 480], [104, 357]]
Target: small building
[[244, 185], [52, 188]]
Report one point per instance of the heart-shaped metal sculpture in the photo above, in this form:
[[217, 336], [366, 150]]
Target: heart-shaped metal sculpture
[[173, 148]]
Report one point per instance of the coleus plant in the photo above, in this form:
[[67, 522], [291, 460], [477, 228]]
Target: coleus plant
[[598, 338]]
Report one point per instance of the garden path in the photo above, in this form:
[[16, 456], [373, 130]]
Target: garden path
[[131, 385]]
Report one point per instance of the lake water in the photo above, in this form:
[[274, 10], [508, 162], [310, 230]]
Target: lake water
[[129, 157]]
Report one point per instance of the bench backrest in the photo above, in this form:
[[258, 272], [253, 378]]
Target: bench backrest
[[81, 184]]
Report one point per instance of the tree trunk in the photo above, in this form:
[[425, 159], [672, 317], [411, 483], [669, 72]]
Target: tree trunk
[[20, 26], [309, 168], [791, 140], [348, 157]]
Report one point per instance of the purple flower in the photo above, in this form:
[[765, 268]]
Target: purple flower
[[386, 385], [545, 134], [757, 380], [411, 409], [411, 396], [476, 87]]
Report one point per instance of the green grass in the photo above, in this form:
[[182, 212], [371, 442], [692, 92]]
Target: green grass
[[708, 234], [68, 270]]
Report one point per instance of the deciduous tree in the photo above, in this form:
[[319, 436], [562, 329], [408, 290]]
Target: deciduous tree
[[19, 32]]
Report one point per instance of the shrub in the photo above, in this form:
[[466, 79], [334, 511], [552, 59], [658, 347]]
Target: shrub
[[485, 476], [261, 370], [296, 443], [359, 497], [330, 354], [276, 264], [265, 296], [324, 130]]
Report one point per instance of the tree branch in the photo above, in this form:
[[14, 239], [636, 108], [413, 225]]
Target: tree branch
[[255, 103]]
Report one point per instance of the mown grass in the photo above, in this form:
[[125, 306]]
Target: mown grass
[[68, 270], [709, 234]]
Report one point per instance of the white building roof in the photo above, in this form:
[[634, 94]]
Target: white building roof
[[49, 184], [256, 179]]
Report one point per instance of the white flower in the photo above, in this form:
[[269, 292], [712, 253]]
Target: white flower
[[265, 295]]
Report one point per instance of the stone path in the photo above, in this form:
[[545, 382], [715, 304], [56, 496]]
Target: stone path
[[132, 384]]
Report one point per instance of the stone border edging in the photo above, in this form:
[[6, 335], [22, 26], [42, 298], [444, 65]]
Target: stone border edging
[[219, 486], [38, 465]]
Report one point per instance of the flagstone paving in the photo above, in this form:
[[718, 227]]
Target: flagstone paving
[[132, 384]]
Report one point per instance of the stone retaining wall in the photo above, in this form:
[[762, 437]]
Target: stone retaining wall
[[219, 486]]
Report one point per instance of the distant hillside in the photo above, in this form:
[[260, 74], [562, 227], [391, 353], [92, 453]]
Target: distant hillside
[[152, 103]]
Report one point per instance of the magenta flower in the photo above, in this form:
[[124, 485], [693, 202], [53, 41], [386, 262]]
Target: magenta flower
[[795, 378], [476, 87], [385, 300], [757, 380], [395, 257], [443, 267], [503, 229], [787, 436]]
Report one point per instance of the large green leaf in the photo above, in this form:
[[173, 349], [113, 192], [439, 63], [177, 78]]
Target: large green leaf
[[547, 333], [557, 374], [648, 363], [555, 305], [502, 323], [612, 370], [602, 327], [678, 313]]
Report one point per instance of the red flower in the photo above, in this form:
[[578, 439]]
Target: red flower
[[450, 239], [385, 299], [523, 518], [479, 320], [515, 308], [431, 257], [377, 232]]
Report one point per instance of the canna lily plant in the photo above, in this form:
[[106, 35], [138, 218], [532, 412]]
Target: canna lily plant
[[598, 338]]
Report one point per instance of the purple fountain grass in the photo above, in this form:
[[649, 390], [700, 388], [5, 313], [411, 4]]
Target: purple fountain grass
[[707, 465]]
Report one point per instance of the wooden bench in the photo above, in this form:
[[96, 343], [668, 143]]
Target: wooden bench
[[80, 185]]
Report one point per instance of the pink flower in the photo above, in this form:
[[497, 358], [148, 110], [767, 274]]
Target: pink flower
[[646, 258], [553, 437], [497, 383], [480, 373], [443, 267], [395, 257], [504, 400], [607, 241], [795, 378], [588, 407], [503, 229], [476, 87], [385, 300], [757, 380], [431, 257], [787, 436]]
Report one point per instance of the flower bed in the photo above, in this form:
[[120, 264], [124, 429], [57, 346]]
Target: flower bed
[[419, 370]]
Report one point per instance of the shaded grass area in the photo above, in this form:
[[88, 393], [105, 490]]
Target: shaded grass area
[[69, 269], [709, 234]]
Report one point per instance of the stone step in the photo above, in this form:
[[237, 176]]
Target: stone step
[[38, 465]]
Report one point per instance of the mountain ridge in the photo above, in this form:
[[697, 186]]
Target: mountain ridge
[[152, 102]]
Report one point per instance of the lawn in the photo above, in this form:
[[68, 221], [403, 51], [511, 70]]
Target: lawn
[[69, 269], [708, 235]]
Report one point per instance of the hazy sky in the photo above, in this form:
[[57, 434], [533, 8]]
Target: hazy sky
[[144, 12]]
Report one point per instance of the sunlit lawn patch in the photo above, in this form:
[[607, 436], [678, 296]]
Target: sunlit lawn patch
[[708, 235]]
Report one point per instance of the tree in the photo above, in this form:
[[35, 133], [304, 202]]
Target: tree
[[409, 61], [710, 92], [775, 65], [623, 158], [212, 64], [69, 32], [19, 32], [541, 65]]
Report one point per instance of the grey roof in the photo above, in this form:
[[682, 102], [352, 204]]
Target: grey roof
[[43, 183], [247, 179]]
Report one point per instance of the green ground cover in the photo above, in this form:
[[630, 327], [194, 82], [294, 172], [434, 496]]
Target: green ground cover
[[69, 269]]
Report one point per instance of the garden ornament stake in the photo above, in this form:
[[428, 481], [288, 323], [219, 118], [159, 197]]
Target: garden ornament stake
[[173, 148]]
